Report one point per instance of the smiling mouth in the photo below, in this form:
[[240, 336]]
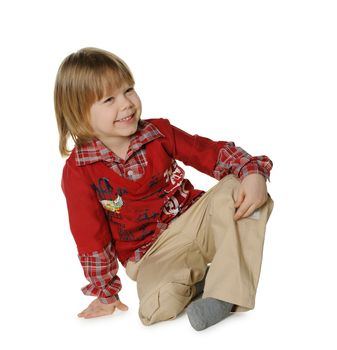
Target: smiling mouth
[[126, 119]]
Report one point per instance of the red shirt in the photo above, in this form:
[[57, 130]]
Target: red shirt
[[118, 208]]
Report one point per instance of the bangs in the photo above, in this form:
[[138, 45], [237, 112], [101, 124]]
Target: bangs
[[111, 80], [104, 76], [98, 73]]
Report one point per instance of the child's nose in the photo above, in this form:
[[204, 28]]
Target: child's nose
[[125, 102]]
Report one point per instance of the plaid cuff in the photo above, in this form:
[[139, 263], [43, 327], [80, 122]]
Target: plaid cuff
[[100, 269], [235, 160], [109, 300], [257, 165]]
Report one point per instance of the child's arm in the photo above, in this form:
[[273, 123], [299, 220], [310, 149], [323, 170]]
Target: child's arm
[[219, 159], [214, 158], [91, 232], [100, 269]]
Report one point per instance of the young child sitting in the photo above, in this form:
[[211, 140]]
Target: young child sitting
[[128, 200]]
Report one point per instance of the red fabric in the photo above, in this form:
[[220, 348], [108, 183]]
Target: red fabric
[[100, 268], [122, 207]]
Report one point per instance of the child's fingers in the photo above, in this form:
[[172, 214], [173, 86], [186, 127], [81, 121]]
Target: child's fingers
[[241, 209], [88, 311], [122, 307], [82, 313], [98, 314], [96, 309], [91, 313], [249, 212], [244, 210], [238, 197]]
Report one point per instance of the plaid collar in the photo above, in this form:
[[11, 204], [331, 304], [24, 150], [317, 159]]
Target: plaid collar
[[96, 151]]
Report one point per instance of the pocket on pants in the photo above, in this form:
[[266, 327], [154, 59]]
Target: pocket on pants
[[148, 306], [166, 303]]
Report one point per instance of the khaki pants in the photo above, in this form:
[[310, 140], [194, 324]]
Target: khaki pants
[[205, 234]]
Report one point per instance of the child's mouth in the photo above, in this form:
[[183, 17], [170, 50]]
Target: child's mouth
[[126, 119]]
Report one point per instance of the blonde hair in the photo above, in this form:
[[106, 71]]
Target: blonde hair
[[84, 77]]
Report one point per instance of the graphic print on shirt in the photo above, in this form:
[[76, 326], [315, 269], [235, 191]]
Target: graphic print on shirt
[[145, 215], [111, 202], [154, 180], [124, 234], [175, 176], [171, 207], [129, 235], [113, 205], [145, 231]]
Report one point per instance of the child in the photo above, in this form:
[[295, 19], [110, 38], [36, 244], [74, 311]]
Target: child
[[128, 200]]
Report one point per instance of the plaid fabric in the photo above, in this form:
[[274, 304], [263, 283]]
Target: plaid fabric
[[231, 159], [235, 160], [100, 267], [133, 167]]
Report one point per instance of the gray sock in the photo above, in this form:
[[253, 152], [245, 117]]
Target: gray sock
[[203, 313], [199, 286]]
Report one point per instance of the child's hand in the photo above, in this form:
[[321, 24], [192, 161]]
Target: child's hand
[[97, 309], [252, 194]]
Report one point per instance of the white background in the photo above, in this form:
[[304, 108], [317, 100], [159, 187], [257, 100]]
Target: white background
[[260, 73]]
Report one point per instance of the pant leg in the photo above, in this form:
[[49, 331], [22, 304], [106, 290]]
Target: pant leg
[[167, 273], [205, 233], [237, 248], [166, 276]]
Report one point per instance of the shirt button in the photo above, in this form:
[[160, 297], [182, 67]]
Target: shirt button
[[130, 172]]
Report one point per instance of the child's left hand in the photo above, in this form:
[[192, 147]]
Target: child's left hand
[[251, 195]]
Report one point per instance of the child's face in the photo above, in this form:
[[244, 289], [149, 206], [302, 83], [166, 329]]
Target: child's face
[[115, 117]]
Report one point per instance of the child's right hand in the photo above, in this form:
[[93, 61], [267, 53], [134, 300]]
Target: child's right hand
[[97, 309]]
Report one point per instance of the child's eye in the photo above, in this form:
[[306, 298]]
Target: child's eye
[[129, 89], [108, 99]]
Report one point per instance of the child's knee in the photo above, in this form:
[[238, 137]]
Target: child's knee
[[229, 182], [166, 303], [224, 191]]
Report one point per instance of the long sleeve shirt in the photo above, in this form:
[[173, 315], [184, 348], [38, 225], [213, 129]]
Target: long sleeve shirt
[[117, 208]]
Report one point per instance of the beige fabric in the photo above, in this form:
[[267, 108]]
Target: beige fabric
[[205, 234]]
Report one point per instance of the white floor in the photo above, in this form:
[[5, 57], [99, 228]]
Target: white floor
[[286, 317], [260, 73]]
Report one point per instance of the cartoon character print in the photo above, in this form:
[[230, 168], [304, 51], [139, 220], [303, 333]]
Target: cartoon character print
[[111, 202], [113, 205]]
